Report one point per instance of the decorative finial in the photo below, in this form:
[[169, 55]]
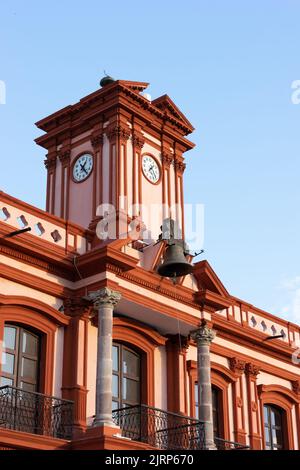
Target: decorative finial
[[106, 80]]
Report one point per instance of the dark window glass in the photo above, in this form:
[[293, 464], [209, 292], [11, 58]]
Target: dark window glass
[[20, 358], [215, 408], [126, 377], [9, 337], [115, 357], [273, 427]]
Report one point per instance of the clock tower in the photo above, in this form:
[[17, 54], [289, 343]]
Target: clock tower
[[116, 150]]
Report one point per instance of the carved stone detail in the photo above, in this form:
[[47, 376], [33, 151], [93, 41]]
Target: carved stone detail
[[237, 365], [50, 163], [118, 131], [296, 386], [64, 155], [105, 297], [138, 140], [166, 158], [97, 140], [77, 306], [252, 369], [204, 334], [179, 166]]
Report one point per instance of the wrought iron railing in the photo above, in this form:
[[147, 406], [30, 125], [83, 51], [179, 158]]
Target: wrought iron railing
[[160, 429], [222, 444], [165, 430], [35, 413]]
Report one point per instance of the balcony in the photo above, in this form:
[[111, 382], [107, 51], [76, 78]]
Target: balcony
[[35, 413], [165, 430]]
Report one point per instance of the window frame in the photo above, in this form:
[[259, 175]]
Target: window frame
[[273, 409], [122, 375], [16, 377]]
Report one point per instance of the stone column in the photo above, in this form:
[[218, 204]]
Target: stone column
[[104, 301], [203, 337]]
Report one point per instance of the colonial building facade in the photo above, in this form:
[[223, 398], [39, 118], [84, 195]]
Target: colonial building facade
[[98, 350]]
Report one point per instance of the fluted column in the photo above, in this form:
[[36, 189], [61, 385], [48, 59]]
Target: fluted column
[[203, 337], [104, 301]]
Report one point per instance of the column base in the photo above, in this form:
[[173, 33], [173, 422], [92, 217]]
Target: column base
[[104, 422]]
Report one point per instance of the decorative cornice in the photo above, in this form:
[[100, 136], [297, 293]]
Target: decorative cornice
[[203, 335], [138, 140], [166, 158], [97, 140], [182, 342], [64, 155], [77, 306], [117, 131], [50, 163], [251, 369], [296, 386], [104, 297], [179, 166], [149, 285], [34, 261], [237, 365]]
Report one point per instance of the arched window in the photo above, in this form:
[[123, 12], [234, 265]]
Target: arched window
[[273, 427], [20, 358], [216, 408], [126, 380]]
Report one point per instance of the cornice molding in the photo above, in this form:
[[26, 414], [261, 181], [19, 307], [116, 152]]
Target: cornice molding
[[117, 131], [138, 139]]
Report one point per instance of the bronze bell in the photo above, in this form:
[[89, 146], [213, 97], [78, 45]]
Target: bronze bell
[[174, 263]]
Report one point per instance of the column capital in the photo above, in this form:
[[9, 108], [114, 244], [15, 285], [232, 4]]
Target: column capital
[[204, 334], [105, 297]]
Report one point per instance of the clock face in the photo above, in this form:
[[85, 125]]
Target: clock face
[[82, 167], [151, 169]]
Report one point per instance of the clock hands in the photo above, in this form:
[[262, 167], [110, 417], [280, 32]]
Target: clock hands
[[83, 167]]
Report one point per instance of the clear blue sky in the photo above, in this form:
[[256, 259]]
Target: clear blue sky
[[229, 67]]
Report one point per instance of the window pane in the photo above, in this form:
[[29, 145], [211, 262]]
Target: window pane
[[196, 394], [115, 357], [5, 381], [9, 337], [197, 411], [28, 368], [115, 405], [277, 418], [214, 393], [131, 363], [28, 387], [30, 344], [267, 435], [8, 361], [266, 414], [278, 437], [115, 385], [131, 390]]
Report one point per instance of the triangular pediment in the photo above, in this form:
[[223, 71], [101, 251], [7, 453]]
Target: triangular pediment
[[136, 86], [164, 103], [208, 280]]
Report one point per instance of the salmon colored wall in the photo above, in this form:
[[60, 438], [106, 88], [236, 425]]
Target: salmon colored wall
[[91, 370], [58, 363], [81, 194], [12, 288], [160, 377]]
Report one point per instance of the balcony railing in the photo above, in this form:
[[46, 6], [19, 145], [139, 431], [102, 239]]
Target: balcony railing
[[35, 413], [222, 444], [165, 430], [159, 428]]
